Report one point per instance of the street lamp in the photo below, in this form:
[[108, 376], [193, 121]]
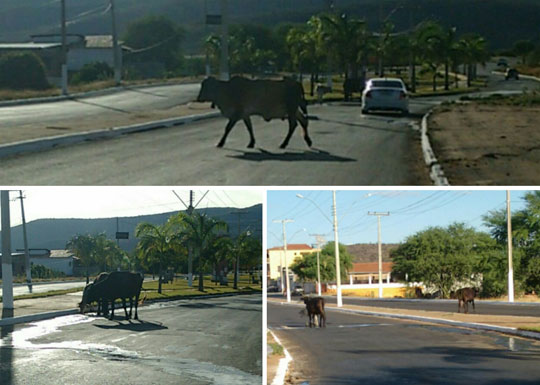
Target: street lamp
[[283, 222], [336, 242]]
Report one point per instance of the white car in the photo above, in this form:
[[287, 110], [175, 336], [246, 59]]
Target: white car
[[385, 94]]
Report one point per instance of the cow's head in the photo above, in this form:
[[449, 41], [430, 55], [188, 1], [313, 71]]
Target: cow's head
[[208, 90], [86, 299]]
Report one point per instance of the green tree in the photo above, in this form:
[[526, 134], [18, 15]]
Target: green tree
[[473, 50], [155, 38], [306, 267], [22, 71], [201, 232], [440, 257], [523, 48], [82, 246]]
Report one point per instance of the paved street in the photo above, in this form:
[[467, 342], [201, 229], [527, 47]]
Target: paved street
[[356, 349], [204, 341], [39, 287]]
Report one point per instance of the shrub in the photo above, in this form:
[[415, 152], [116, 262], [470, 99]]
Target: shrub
[[92, 72], [40, 271], [22, 71]]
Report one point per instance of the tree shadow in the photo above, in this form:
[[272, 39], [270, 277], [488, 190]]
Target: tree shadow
[[134, 326], [142, 91], [313, 155], [200, 306], [100, 105], [6, 349]]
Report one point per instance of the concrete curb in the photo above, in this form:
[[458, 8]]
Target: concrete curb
[[41, 144], [283, 366], [60, 313], [436, 172], [470, 325], [82, 95]]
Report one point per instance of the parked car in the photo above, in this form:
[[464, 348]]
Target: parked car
[[512, 73], [386, 94]]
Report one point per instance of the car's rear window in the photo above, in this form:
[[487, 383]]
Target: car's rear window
[[387, 83]]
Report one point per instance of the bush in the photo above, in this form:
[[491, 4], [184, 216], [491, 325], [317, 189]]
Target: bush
[[93, 72], [22, 71], [40, 271]]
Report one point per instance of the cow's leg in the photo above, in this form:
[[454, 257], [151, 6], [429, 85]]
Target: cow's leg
[[247, 122], [292, 126], [228, 129], [474, 308], [130, 306], [304, 123], [125, 308], [112, 310], [322, 320], [459, 306], [465, 306]]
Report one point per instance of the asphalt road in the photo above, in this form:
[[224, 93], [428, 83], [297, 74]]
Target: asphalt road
[[356, 349], [349, 148], [44, 287], [482, 307], [205, 341]]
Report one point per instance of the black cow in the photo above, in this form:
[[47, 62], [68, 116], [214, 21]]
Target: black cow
[[118, 284], [315, 307], [240, 98], [464, 296]]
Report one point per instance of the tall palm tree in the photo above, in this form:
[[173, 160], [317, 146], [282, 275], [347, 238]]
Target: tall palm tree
[[201, 231], [474, 50], [154, 244], [82, 246]]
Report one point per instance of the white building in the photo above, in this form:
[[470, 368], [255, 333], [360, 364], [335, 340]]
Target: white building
[[57, 260]]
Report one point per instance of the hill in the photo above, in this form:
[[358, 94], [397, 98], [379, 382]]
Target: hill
[[502, 22], [54, 233]]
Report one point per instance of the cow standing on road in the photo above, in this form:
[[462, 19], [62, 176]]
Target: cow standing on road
[[464, 296], [240, 98], [118, 284], [315, 307]]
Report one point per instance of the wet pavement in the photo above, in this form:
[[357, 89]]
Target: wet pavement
[[210, 341]]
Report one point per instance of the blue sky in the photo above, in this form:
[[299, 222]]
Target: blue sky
[[410, 211]]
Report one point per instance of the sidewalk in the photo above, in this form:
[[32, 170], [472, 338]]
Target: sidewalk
[[504, 324]]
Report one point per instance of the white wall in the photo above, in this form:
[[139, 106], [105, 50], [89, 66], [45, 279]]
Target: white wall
[[65, 265]]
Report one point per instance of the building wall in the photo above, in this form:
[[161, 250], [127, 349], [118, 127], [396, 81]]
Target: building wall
[[390, 290], [274, 260], [64, 265]]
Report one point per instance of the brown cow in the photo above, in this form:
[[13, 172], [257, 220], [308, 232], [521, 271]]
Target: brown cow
[[314, 307], [240, 98], [464, 296]]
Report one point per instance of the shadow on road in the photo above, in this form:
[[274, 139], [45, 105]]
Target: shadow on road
[[101, 106], [315, 155], [141, 91], [134, 326], [215, 305]]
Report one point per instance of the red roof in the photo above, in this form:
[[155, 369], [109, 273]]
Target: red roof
[[293, 246], [370, 267]]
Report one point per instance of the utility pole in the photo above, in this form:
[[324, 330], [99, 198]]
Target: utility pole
[[116, 48], [190, 249], [7, 267], [319, 239], [64, 71], [380, 248], [27, 266], [510, 263], [224, 58], [237, 263], [336, 244], [283, 222]]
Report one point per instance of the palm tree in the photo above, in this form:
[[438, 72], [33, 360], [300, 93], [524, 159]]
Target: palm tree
[[200, 231], [82, 246], [154, 245], [473, 48]]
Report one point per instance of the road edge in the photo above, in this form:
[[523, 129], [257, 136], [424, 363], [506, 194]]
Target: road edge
[[436, 173], [470, 325], [283, 366], [41, 144]]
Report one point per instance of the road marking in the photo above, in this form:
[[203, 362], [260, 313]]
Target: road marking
[[347, 326]]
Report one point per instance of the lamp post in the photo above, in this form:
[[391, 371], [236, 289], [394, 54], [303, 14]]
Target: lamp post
[[380, 248], [283, 222], [336, 242]]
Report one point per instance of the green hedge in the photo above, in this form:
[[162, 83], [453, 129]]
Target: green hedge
[[22, 71]]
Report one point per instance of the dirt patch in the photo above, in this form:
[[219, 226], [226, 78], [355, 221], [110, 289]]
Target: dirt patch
[[483, 144]]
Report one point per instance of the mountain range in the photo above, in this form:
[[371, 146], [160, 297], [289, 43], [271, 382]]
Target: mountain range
[[53, 234]]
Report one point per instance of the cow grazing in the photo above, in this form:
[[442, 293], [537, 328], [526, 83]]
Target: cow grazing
[[240, 98], [118, 284], [90, 297], [464, 296], [315, 307]]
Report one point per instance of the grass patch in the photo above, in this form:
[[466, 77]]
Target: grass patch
[[526, 99], [277, 349], [179, 288], [530, 329]]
